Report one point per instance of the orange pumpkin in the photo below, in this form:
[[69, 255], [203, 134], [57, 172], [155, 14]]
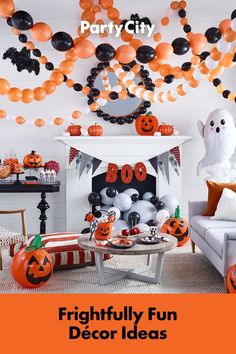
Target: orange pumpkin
[[33, 160], [74, 130], [103, 231], [146, 125], [231, 280], [32, 267], [165, 129], [95, 130], [178, 227]]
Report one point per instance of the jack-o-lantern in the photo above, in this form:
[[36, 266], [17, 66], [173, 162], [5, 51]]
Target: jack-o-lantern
[[178, 227], [103, 231], [231, 280], [146, 125], [33, 160], [32, 267]]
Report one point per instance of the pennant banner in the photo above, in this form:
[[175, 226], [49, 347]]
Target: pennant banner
[[163, 164], [153, 162], [176, 152]]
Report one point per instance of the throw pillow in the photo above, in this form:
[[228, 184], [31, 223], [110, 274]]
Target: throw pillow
[[215, 191], [226, 208]]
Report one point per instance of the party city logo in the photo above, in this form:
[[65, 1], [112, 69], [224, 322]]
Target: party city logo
[[132, 27]]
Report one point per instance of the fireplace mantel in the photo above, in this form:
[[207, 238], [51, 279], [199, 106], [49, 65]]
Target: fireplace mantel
[[128, 149]]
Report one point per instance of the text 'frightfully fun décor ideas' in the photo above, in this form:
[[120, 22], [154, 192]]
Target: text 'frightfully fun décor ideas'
[[212, 52]]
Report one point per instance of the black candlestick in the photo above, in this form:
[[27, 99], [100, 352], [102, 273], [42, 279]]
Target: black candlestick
[[43, 206]]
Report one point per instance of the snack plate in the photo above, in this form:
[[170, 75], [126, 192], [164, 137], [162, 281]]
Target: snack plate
[[121, 243], [150, 240]]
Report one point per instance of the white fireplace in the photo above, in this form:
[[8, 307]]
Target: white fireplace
[[120, 150]]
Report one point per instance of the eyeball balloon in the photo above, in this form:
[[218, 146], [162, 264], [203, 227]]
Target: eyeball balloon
[[116, 211], [131, 191], [147, 196], [171, 203], [162, 216], [122, 201], [104, 198], [145, 209]]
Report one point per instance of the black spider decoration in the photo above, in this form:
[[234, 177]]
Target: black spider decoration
[[22, 60], [135, 17]]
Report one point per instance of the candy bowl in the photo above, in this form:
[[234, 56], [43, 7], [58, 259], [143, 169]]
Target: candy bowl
[[5, 171]]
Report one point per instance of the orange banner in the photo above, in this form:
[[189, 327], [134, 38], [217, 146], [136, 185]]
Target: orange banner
[[163, 324]]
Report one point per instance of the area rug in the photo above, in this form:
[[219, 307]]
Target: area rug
[[183, 272]]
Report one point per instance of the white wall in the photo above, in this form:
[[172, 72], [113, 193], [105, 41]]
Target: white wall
[[64, 15]]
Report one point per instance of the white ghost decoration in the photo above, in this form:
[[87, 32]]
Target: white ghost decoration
[[219, 135]]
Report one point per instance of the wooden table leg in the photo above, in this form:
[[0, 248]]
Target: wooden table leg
[[0, 259], [43, 206]]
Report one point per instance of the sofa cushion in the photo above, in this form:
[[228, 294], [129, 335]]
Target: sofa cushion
[[215, 238], [202, 224]]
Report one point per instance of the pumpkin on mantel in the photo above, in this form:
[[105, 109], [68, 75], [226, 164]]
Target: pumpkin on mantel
[[74, 130], [95, 130], [166, 129], [146, 124]]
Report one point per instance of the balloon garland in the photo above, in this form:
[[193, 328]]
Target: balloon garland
[[203, 64]]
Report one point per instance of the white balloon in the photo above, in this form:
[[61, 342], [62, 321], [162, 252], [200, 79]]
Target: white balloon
[[131, 191], [171, 203], [120, 225], [233, 25], [146, 210], [162, 216], [223, 46], [116, 211], [122, 201], [147, 196], [105, 199], [210, 63], [142, 227], [117, 88]]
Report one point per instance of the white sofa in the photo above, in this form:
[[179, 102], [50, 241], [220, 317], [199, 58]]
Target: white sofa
[[215, 238]]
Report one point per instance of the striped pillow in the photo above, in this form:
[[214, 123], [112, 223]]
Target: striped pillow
[[64, 250]]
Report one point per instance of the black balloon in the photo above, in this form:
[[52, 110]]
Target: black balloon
[[134, 218], [169, 79], [97, 214], [154, 199], [62, 41], [22, 20], [111, 192], [180, 46], [135, 197], [233, 15], [160, 205], [145, 54], [213, 35], [85, 231], [94, 199], [152, 222], [105, 52]]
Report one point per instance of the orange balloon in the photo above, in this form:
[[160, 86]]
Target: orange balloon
[[227, 60], [215, 54], [106, 4], [2, 113], [7, 8], [50, 86], [224, 25], [41, 32], [20, 120], [157, 37], [86, 4], [14, 94], [76, 114], [86, 90], [71, 55], [182, 4], [165, 21], [195, 60], [113, 13], [96, 8], [57, 76], [177, 72], [180, 90], [169, 97], [70, 83], [229, 35], [165, 69], [39, 122], [27, 96], [197, 42], [123, 95], [125, 54], [174, 5], [193, 83], [43, 59], [164, 50], [94, 107], [88, 15], [104, 94], [84, 49], [30, 45], [58, 121], [4, 86], [85, 34], [40, 93], [126, 37], [154, 65], [136, 68], [66, 66], [159, 83]]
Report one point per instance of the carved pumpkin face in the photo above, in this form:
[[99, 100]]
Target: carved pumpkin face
[[31, 269], [33, 160], [146, 125], [231, 280], [178, 227], [103, 231]]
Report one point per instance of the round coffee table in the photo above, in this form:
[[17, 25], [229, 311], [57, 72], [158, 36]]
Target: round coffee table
[[108, 275]]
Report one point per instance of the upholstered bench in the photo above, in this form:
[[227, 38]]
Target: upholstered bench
[[64, 250]]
